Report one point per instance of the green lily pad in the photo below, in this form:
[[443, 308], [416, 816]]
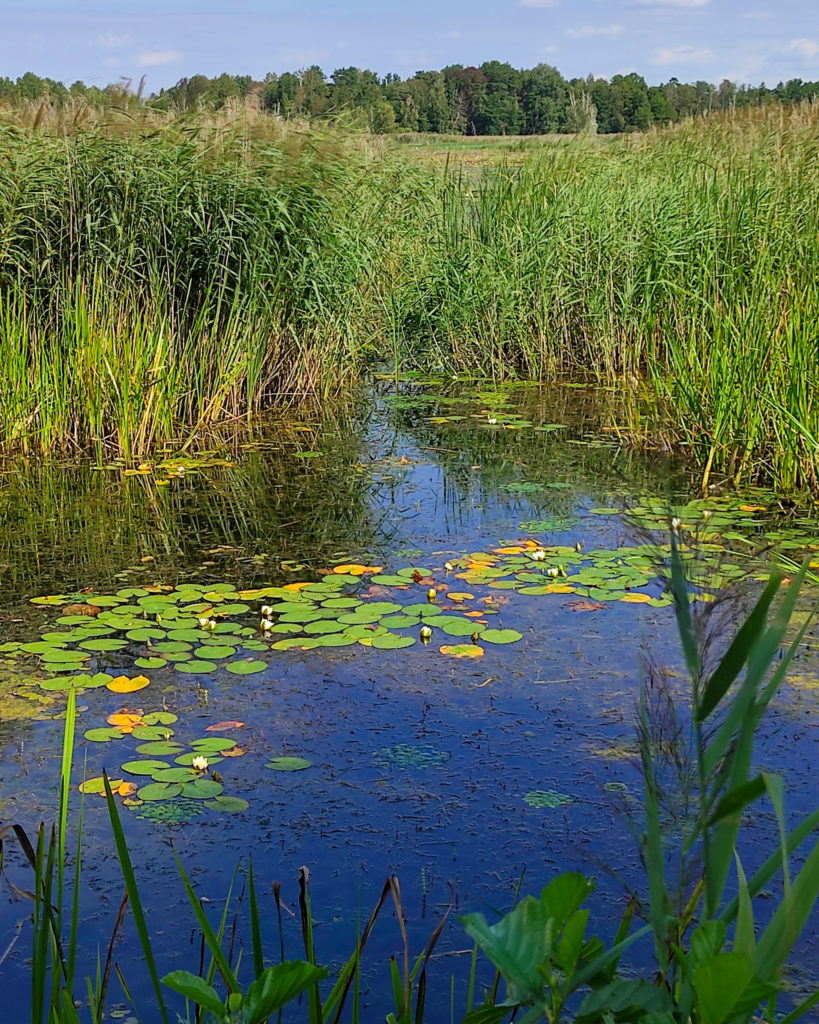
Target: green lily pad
[[159, 718], [304, 643], [408, 573], [215, 651], [146, 633], [454, 626], [172, 647], [160, 748], [103, 735], [288, 764], [152, 732], [178, 774], [336, 640], [202, 789], [196, 667], [228, 804], [145, 767], [187, 759], [364, 632], [500, 636], [159, 791], [150, 662], [211, 743], [392, 642], [246, 667]]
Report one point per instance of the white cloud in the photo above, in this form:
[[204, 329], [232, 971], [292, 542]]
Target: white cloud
[[680, 55], [538, 3], [551, 48], [155, 58], [584, 31], [113, 40], [803, 46], [671, 3]]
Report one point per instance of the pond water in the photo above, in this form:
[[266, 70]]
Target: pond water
[[335, 736]]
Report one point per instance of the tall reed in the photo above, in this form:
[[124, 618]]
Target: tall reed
[[159, 279]]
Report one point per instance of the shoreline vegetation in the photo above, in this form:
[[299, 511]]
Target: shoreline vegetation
[[160, 274]]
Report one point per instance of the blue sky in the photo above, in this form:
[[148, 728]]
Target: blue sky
[[99, 41]]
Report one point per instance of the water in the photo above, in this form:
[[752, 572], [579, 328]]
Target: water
[[425, 765]]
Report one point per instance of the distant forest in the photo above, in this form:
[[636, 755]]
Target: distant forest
[[493, 99]]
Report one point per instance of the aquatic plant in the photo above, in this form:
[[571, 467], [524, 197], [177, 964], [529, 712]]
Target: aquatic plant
[[712, 963], [162, 281]]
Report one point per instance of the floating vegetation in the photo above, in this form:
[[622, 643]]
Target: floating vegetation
[[548, 798], [121, 643], [288, 764], [417, 756]]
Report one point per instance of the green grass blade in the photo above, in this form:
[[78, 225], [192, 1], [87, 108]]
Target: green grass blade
[[131, 888]]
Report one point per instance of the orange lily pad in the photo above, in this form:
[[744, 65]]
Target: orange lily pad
[[233, 752], [125, 789], [124, 720], [462, 650], [229, 724], [123, 684], [636, 598]]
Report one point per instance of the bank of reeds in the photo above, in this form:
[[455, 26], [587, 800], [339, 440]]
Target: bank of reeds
[[158, 279]]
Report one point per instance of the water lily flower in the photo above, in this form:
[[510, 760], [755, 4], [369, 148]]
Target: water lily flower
[[203, 621], [266, 611], [211, 625], [578, 547], [554, 573], [265, 625], [492, 420], [675, 523], [707, 514], [431, 594], [538, 554], [199, 763], [448, 566], [426, 634]]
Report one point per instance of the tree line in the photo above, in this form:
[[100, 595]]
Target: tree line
[[493, 99]]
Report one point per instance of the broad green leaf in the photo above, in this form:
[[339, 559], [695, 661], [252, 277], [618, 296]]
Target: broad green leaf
[[192, 987], [277, 986]]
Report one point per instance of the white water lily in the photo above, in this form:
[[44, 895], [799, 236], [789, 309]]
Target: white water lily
[[538, 554], [266, 611], [203, 621], [200, 763], [426, 633], [265, 625], [448, 566]]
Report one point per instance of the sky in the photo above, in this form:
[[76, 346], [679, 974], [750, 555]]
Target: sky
[[102, 41]]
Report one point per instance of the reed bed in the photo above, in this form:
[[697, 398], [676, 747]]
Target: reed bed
[[161, 274]]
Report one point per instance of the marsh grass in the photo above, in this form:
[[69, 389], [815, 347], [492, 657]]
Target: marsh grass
[[159, 275]]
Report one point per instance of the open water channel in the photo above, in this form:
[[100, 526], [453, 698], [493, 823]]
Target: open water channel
[[512, 524]]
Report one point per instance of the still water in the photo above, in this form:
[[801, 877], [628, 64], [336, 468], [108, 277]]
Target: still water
[[468, 767]]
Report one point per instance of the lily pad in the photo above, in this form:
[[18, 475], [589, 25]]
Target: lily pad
[[246, 667], [159, 718], [288, 764], [228, 804], [208, 743], [462, 650], [159, 791], [160, 748], [500, 636], [202, 789], [152, 732], [150, 662], [144, 767], [103, 735], [392, 642], [196, 667]]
